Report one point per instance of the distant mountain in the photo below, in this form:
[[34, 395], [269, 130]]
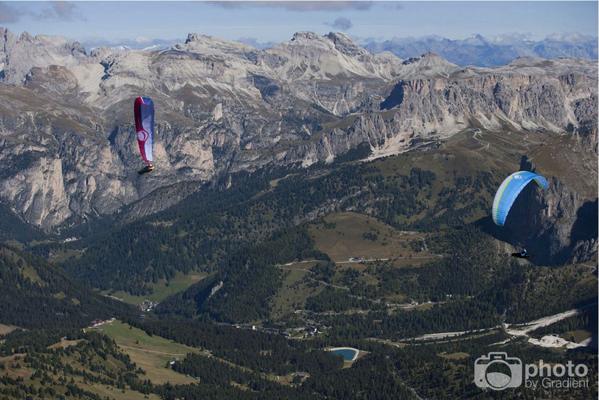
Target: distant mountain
[[138, 44], [480, 51], [256, 43]]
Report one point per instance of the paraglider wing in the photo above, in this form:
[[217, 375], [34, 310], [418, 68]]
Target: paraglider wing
[[509, 190], [144, 126]]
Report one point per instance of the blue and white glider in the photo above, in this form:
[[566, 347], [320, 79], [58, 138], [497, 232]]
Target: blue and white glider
[[509, 190]]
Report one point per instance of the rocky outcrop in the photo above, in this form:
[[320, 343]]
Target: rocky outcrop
[[224, 107], [494, 100], [20, 54], [39, 190], [557, 226]]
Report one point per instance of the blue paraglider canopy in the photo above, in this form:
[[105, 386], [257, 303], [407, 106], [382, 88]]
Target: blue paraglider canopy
[[509, 190]]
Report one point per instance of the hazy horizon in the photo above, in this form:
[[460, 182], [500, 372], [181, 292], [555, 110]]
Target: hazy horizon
[[114, 23]]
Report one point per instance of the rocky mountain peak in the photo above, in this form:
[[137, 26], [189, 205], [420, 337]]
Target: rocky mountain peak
[[311, 56], [553, 224], [476, 40], [428, 64], [212, 45], [428, 58], [526, 61], [25, 37], [194, 37], [6, 36], [76, 47], [345, 45], [305, 37], [27, 52]]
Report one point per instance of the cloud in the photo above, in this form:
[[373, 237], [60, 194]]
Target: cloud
[[298, 6], [340, 23], [51, 10], [64, 10], [60, 11], [9, 14]]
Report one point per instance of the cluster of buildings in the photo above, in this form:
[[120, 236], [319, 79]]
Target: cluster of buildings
[[148, 305]]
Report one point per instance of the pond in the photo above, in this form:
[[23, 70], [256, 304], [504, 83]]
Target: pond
[[348, 353]]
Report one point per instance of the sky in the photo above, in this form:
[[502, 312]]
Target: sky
[[113, 22]]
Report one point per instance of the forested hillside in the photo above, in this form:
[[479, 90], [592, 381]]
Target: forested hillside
[[256, 276], [210, 226], [37, 295]]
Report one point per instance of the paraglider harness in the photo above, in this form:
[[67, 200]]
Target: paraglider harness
[[146, 169], [521, 254]]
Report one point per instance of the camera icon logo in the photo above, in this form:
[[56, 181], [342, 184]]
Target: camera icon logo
[[497, 371]]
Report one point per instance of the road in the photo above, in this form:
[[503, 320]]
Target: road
[[513, 330], [448, 335], [524, 329]]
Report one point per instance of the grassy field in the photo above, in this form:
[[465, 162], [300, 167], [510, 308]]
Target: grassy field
[[500, 153], [114, 393], [461, 155], [467, 151], [294, 291], [151, 353], [16, 366], [343, 236], [454, 356], [13, 367], [577, 335], [162, 289], [571, 167], [348, 234], [63, 255], [30, 273], [6, 329], [64, 343]]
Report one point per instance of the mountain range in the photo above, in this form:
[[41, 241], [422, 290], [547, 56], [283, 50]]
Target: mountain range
[[476, 50], [68, 148], [489, 52]]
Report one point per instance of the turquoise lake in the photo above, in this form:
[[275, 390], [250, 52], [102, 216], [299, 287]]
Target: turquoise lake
[[347, 354]]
